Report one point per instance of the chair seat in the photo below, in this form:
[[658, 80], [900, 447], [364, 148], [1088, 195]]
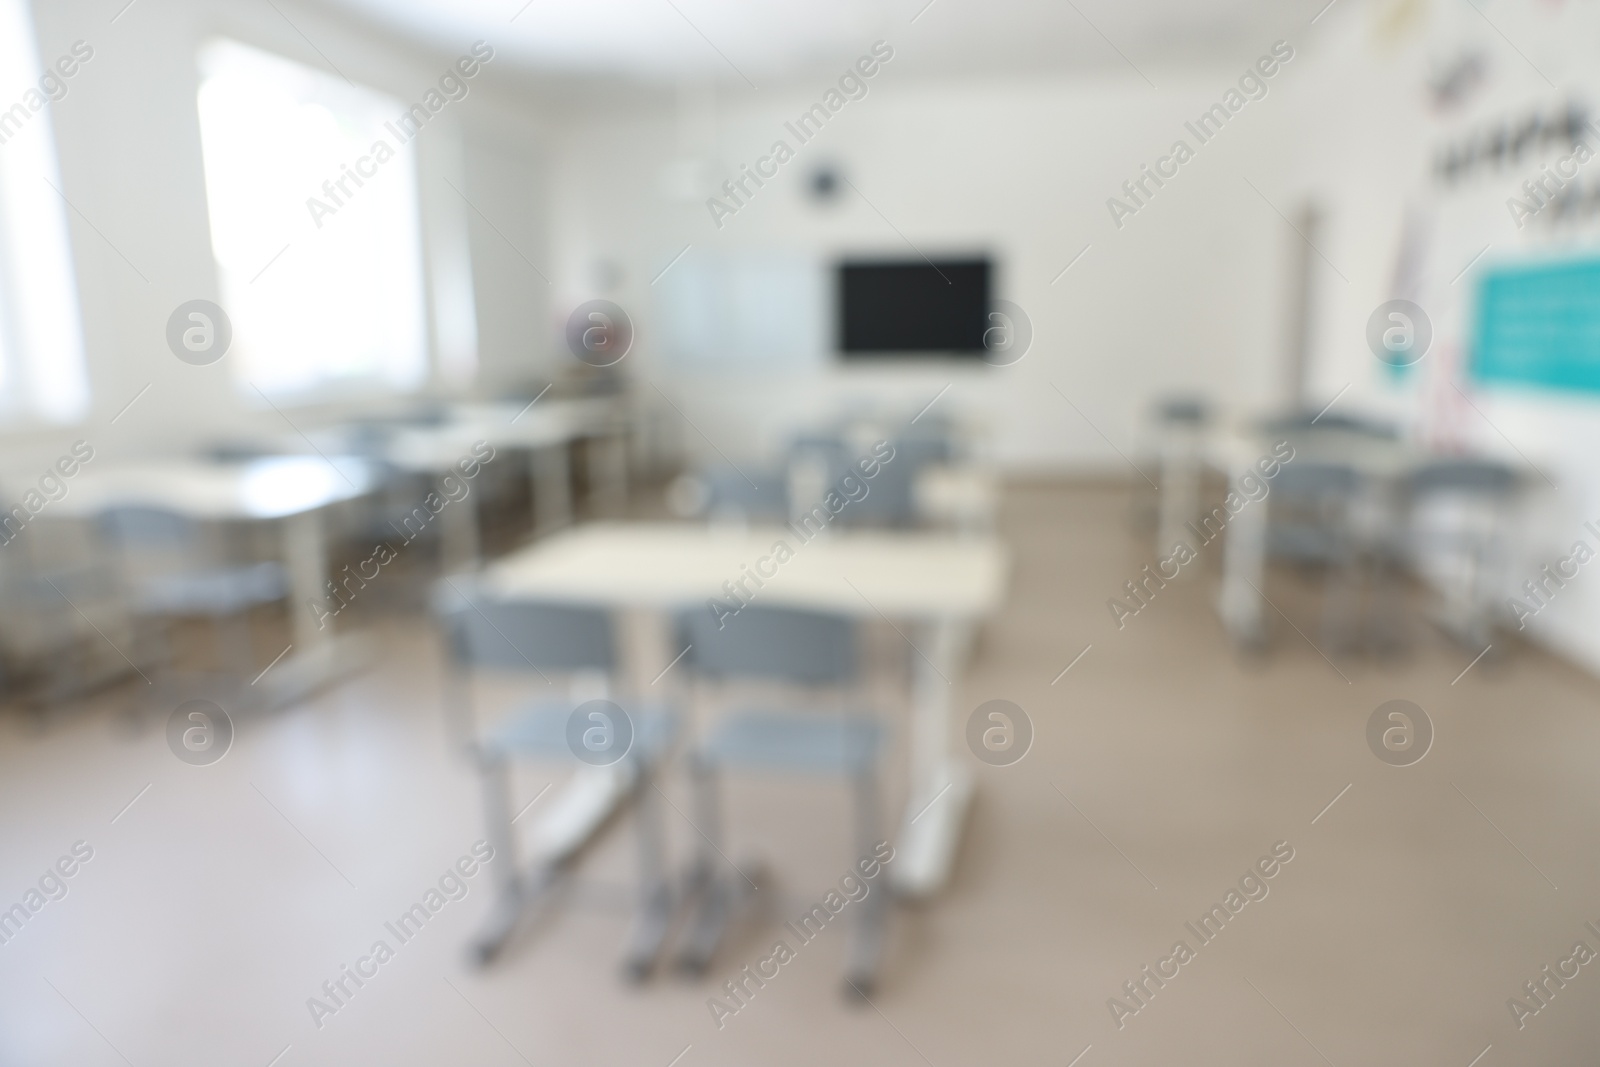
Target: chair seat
[[213, 590], [801, 741], [539, 728], [1301, 543]]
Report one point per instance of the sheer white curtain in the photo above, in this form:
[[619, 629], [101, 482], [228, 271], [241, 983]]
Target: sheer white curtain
[[43, 376], [320, 272]]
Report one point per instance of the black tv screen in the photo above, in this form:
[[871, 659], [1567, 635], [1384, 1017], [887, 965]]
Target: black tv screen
[[912, 307]]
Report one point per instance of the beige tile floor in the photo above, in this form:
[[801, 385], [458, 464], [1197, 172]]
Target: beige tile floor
[[1163, 766]]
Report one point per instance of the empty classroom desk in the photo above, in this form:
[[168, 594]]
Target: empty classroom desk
[[941, 584], [545, 429], [293, 491]]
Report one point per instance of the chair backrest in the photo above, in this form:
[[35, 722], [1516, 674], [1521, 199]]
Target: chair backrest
[[1191, 410], [1480, 476], [1311, 505], [433, 413], [139, 528], [808, 647], [369, 439], [729, 493], [1333, 422], [890, 498], [1314, 480], [927, 441], [815, 463], [488, 631], [237, 451], [149, 545]]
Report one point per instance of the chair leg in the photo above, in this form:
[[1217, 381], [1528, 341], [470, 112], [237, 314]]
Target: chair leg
[[655, 895], [868, 935], [714, 889], [1481, 589], [1389, 627], [708, 820], [239, 651], [709, 923], [1341, 594], [494, 773], [152, 646]]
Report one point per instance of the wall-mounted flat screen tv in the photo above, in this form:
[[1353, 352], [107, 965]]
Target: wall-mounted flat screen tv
[[912, 308]]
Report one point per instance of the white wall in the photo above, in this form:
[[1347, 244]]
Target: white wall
[[1187, 295]]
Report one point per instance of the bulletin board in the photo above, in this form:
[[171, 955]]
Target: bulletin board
[[1538, 325]]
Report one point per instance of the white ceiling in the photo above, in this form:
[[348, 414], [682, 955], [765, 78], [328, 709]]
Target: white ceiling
[[774, 40]]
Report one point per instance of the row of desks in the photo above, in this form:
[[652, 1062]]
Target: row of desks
[[1384, 465], [935, 587], [295, 493]]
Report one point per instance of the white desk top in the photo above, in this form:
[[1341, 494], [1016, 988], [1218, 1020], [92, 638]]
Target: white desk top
[[1239, 448], [670, 565], [576, 411], [260, 489], [431, 449]]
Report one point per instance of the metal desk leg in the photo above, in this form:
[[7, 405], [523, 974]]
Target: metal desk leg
[[941, 786], [552, 488], [871, 922], [508, 888], [1180, 492], [305, 554], [707, 882], [1244, 559], [320, 655], [654, 916], [459, 535], [608, 472]]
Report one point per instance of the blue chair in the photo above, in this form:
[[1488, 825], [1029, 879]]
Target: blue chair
[[1332, 423], [808, 649], [1471, 608], [1313, 521], [166, 575], [1465, 475], [238, 450], [814, 463], [1185, 409], [891, 494], [545, 639], [1310, 505], [49, 654], [729, 495]]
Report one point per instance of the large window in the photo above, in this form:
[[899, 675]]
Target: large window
[[315, 227], [42, 371]]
